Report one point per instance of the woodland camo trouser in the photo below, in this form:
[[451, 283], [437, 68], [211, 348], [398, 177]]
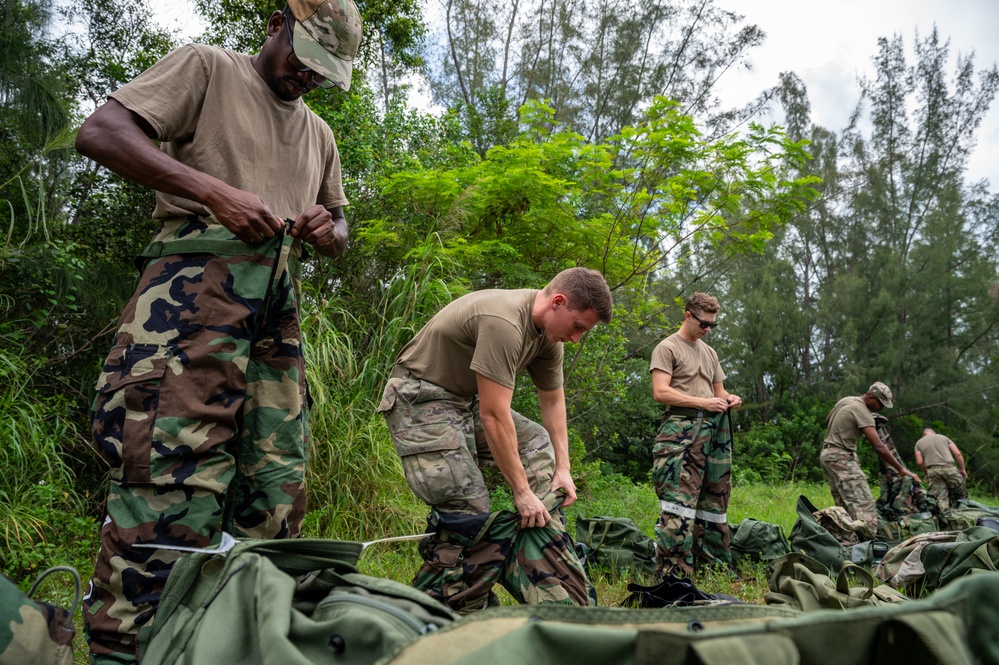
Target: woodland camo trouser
[[692, 475], [201, 415], [947, 484]]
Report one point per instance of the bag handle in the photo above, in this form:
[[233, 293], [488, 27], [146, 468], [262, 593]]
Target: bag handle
[[848, 568], [77, 585], [595, 521]]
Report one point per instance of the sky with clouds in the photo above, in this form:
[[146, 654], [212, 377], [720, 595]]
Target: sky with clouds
[[828, 44]]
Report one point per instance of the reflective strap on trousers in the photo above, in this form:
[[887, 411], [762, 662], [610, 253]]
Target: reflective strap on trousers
[[690, 513]]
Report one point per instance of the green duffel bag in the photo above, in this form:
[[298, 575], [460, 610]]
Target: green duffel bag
[[756, 540], [287, 602], [816, 542], [955, 626], [907, 526], [805, 584], [965, 514], [617, 544], [931, 560]]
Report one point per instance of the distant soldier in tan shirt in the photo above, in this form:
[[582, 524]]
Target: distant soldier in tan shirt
[[851, 420], [935, 454]]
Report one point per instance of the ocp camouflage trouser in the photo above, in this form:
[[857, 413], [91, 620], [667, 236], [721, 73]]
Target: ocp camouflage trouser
[[848, 485], [947, 484], [441, 442], [201, 415], [692, 475]]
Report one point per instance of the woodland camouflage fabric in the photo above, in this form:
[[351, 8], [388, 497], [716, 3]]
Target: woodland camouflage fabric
[[692, 475], [899, 495], [201, 416], [946, 484], [33, 632], [536, 566], [440, 440]]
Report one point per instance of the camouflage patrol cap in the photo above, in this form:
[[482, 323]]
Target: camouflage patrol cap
[[882, 392], [327, 34]]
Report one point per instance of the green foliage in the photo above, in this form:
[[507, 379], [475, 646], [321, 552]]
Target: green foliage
[[783, 449], [598, 69], [37, 486], [34, 107], [113, 41], [353, 458], [550, 199], [237, 24]]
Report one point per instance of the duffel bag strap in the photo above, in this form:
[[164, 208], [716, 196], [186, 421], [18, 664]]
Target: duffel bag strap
[[849, 569], [297, 556]]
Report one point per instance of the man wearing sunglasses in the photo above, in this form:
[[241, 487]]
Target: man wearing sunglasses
[[692, 456], [201, 411]]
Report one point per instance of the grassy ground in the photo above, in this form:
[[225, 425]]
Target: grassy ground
[[619, 498], [612, 497]]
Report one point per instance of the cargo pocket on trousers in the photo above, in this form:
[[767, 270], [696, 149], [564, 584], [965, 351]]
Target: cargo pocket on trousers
[[437, 464], [125, 409]]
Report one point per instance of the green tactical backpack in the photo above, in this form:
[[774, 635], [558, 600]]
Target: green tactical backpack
[[617, 544], [815, 541], [33, 632], [284, 602], [965, 514], [955, 626], [758, 541]]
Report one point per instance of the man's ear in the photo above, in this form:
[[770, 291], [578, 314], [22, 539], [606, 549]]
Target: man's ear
[[275, 23], [559, 300]]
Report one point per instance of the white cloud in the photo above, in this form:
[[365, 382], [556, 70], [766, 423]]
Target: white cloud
[[827, 44], [830, 45]]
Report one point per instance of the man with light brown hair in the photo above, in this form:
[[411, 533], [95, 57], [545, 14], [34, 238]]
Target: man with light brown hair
[[692, 455], [448, 409]]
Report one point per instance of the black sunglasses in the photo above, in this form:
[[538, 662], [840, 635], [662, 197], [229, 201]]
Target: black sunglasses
[[702, 323]]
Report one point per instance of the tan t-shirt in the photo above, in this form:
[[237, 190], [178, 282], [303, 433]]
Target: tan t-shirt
[[846, 421], [693, 366], [935, 449], [213, 112], [487, 332]]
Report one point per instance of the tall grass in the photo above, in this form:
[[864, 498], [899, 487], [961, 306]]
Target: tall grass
[[36, 476], [355, 481]]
